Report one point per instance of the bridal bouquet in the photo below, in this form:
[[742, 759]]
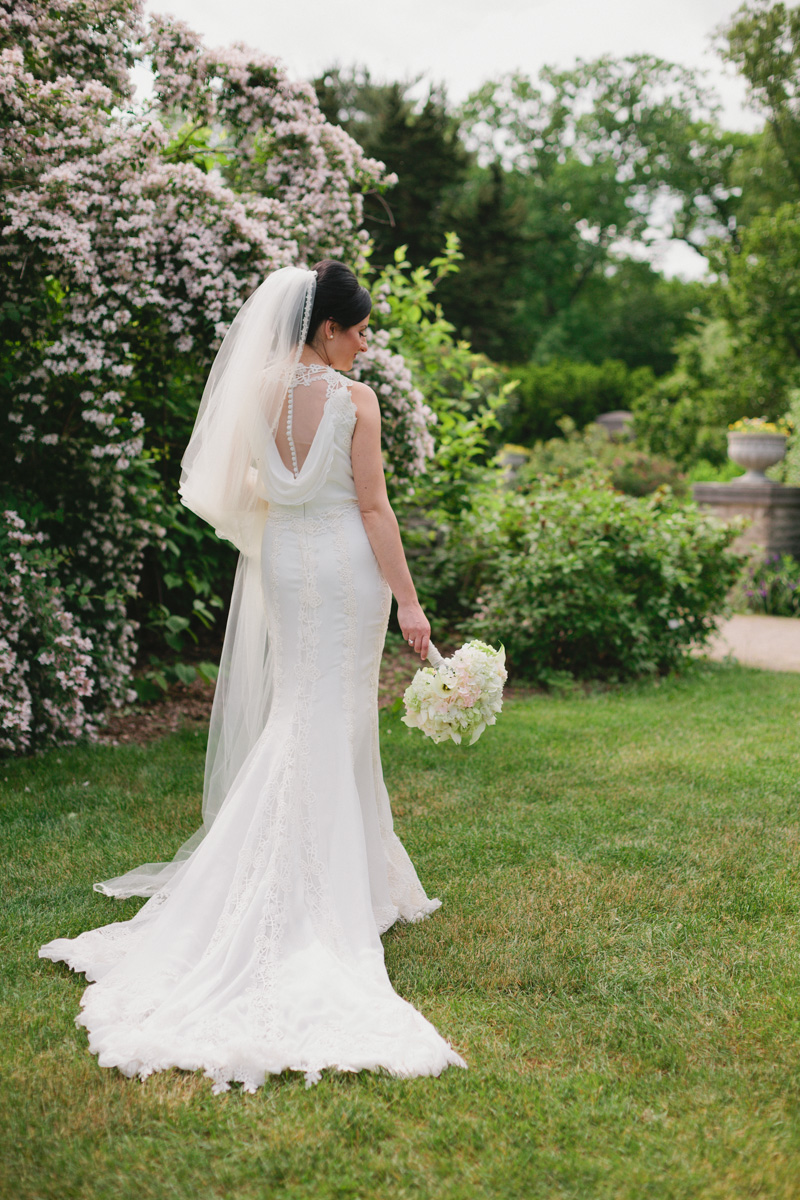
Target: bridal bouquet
[[457, 697]]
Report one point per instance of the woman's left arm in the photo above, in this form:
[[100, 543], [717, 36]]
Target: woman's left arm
[[380, 521]]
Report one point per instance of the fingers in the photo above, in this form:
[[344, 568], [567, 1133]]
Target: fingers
[[415, 627], [414, 642], [418, 640]]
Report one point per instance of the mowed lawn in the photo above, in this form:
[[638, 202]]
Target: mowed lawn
[[617, 958]]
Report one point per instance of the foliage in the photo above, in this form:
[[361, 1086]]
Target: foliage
[[625, 310], [771, 586], [132, 234], [628, 468], [761, 300], [463, 389], [485, 299], [548, 392], [628, 312], [634, 126], [130, 238], [420, 144], [703, 471], [636, 473], [588, 158], [573, 576], [788, 469], [761, 177], [685, 414], [566, 180], [600, 585], [46, 666], [762, 40], [759, 269]]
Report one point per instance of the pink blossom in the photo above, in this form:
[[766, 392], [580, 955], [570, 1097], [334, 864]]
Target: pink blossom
[[104, 210]]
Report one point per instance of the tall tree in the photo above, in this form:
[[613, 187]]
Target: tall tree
[[763, 42], [760, 273], [486, 299], [418, 142], [627, 312], [594, 158], [565, 174]]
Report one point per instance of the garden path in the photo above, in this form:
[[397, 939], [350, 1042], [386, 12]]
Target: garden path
[[772, 643]]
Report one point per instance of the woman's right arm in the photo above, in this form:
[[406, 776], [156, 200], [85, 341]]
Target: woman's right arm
[[379, 519]]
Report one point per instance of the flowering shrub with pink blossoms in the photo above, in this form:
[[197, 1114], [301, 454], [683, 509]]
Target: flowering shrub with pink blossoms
[[131, 234], [46, 668]]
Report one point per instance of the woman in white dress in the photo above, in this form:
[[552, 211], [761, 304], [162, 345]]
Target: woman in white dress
[[259, 947]]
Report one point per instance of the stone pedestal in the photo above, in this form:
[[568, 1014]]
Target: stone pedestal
[[773, 511]]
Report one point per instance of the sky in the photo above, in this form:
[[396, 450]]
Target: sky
[[462, 43]]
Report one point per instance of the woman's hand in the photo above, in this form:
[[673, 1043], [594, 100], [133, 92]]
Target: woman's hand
[[416, 628]]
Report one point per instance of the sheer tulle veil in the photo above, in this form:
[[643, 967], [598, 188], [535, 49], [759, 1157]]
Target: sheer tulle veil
[[220, 481]]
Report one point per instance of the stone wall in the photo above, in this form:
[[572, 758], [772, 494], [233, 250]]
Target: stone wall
[[772, 509]]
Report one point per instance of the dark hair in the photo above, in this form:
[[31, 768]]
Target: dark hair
[[339, 296]]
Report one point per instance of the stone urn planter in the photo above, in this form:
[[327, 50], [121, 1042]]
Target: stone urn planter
[[755, 452], [618, 424]]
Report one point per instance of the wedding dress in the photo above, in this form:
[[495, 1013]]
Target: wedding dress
[[260, 951]]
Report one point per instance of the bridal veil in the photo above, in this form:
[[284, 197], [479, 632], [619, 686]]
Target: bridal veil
[[220, 481]]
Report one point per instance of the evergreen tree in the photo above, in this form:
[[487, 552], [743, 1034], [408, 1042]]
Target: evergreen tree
[[418, 142]]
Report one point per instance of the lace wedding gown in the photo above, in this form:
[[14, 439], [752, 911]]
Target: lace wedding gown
[[261, 951]]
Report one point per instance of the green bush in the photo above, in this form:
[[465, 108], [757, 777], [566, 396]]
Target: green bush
[[451, 550], [628, 468], [704, 471], [685, 421], [575, 577], [546, 392], [637, 473], [788, 470], [464, 390], [685, 415], [602, 585]]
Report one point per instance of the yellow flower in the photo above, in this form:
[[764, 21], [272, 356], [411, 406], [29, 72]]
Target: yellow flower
[[783, 426]]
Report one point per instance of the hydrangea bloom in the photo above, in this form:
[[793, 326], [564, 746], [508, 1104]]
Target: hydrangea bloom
[[459, 696]]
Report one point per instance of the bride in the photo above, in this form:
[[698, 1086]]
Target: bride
[[258, 949]]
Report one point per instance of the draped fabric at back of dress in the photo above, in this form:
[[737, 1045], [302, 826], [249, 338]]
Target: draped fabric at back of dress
[[302, 411]]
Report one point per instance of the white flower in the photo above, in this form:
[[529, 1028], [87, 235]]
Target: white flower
[[461, 697]]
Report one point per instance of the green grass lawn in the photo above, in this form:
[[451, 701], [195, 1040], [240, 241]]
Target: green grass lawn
[[617, 958]]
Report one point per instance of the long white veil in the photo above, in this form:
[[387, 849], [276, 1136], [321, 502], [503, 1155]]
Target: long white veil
[[240, 408]]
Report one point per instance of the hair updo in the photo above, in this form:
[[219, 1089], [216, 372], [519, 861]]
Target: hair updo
[[338, 296]]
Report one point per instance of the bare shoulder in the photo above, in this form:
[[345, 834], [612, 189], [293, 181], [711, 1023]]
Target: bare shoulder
[[365, 400]]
